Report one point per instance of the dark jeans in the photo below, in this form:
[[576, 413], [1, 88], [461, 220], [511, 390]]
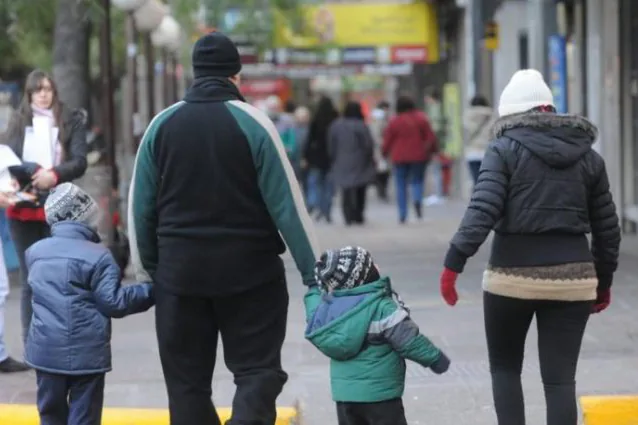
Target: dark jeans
[[383, 177], [25, 234], [354, 203], [252, 325], [319, 193], [69, 399], [561, 326], [388, 412], [412, 175], [475, 167]]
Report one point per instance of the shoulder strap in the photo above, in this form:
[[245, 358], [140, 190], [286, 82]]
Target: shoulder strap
[[480, 127]]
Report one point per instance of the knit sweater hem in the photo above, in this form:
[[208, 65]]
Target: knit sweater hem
[[567, 282]]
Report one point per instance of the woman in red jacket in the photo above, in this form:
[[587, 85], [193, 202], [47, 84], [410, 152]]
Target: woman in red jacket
[[410, 143]]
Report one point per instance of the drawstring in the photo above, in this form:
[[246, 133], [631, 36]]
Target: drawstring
[[398, 299]]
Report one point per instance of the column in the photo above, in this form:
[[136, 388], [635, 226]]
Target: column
[[542, 24]]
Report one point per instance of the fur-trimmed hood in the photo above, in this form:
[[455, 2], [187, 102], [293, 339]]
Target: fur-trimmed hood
[[560, 140]]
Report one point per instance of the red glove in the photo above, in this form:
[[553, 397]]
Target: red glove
[[602, 301], [448, 291]]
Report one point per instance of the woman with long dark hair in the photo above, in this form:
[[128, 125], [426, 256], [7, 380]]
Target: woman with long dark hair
[[542, 189], [68, 162], [410, 143], [351, 150], [320, 189]]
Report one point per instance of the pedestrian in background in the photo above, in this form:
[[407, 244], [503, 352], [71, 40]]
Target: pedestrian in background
[[212, 196], [410, 143], [477, 123], [352, 169], [7, 363], [76, 286], [320, 187], [380, 117], [357, 320], [302, 126], [542, 189], [27, 220]]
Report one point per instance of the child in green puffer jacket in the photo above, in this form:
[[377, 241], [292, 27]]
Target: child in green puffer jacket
[[355, 318]]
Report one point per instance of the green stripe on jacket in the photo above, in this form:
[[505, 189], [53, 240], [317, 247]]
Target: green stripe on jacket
[[142, 212], [279, 186]]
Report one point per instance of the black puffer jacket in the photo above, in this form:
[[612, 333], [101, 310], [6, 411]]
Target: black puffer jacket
[[542, 189]]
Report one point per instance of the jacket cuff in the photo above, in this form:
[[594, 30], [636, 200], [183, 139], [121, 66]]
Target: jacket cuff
[[604, 281], [441, 365], [455, 260]]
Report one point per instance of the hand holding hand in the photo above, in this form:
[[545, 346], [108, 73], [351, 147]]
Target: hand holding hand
[[44, 179], [448, 289], [602, 301]]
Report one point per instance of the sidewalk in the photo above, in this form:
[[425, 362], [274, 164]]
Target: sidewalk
[[412, 255]]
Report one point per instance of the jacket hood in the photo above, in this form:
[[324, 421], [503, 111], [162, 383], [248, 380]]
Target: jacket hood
[[340, 325], [560, 140], [74, 230]]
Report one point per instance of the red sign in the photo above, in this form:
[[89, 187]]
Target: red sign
[[409, 54], [262, 87]]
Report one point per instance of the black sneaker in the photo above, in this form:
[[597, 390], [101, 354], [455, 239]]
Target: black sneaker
[[12, 366]]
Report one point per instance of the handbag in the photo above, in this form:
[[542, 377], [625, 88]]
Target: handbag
[[29, 197]]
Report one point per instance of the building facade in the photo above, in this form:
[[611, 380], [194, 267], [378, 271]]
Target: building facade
[[587, 53]]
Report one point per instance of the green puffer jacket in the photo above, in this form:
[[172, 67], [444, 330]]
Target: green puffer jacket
[[367, 334]]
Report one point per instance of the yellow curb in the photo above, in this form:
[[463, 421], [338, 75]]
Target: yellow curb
[[22, 414], [610, 410]]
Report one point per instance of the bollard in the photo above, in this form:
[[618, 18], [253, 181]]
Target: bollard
[[24, 414], [610, 410]]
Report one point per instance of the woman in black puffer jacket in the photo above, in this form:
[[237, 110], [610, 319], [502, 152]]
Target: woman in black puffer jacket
[[542, 189]]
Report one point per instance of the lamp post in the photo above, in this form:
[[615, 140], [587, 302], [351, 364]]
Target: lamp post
[[108, 119], [130, 6], [167, 37], [147, 18]]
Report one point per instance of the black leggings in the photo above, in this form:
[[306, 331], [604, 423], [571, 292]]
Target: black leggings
[[354, 204], [561, 326]]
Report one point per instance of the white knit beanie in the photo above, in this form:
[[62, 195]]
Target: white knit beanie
[[526, 90], [67, 202]]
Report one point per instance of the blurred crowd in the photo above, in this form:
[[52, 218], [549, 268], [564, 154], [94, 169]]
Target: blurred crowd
[[344, 151]]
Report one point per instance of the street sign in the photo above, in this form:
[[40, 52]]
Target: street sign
[[491, 36]]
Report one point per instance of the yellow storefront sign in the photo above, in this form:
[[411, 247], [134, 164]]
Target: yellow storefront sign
[[356, 24]]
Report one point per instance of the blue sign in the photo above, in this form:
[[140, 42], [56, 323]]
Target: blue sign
[[558, 71], [359, 55], [9, 93]]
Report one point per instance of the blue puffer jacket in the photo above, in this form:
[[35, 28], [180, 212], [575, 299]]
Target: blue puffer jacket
[[76, 290]]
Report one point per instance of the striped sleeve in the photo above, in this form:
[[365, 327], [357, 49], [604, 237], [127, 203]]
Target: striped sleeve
[[142, 213], [402, 333], [279, 187]]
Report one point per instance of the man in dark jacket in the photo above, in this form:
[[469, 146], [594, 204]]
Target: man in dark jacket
[[211, 193]]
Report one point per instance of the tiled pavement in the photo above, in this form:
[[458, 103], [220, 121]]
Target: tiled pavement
[[412, 255]]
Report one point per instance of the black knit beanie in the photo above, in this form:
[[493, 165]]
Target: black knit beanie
[[215, 55], [345, 268]]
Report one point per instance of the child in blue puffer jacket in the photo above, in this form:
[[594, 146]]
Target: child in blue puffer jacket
[[77, 289]]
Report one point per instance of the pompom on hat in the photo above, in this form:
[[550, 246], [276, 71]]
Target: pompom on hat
[[525, 91]]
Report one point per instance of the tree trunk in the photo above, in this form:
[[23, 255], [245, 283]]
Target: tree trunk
[[71, 53]]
